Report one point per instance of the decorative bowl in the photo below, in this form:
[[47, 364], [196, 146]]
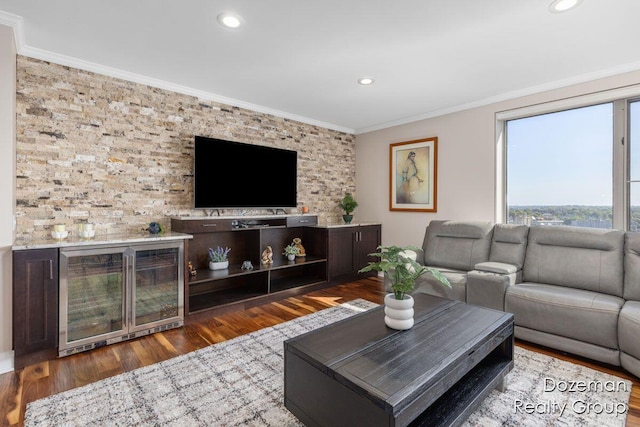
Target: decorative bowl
[[87, 234], [59, 234]]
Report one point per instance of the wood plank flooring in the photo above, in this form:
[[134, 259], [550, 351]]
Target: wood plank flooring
[[43, 379]]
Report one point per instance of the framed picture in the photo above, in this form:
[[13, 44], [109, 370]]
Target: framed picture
[[413, 172]]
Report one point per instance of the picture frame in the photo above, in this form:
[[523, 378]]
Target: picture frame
[[413, 175]]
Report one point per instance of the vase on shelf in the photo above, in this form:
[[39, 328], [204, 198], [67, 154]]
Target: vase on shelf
[[218, 265], [347, 218], [291, 257], [398, 314]]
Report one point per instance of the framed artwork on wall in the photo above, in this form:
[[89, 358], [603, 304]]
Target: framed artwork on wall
[[413, 172]]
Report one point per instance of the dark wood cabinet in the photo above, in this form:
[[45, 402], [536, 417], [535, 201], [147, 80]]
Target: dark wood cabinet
[[35, 306], [237, 288], [349, 248]]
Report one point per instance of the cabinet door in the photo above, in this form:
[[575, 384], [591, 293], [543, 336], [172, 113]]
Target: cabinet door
[[342, 251], [35, 305], [368, 240]]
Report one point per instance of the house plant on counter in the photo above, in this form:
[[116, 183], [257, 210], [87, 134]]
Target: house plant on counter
[[291, 250], [399, 265], [218, 258], [348, 204]]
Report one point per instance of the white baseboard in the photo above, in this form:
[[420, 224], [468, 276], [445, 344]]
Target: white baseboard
[[6, 362]]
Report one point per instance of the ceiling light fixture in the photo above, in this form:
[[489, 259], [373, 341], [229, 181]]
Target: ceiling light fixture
[[558, 6], [365, 81], [229, 20]]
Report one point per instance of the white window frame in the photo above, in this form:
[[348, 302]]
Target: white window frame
[[619, 97]]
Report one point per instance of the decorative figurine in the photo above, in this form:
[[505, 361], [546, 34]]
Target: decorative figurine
[[298, 242], [155, 228], [267, 256], [192, 271], [246, 265]]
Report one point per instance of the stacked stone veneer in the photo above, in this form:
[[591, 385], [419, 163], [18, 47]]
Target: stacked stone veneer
[[92, 148]]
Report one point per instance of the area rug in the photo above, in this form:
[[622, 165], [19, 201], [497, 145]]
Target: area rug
[[240, 383]]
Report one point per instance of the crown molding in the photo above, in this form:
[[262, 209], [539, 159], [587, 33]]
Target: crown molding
[[17, 23], [558, 84]]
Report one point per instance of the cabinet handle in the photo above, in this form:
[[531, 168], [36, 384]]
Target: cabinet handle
[[209, 225], [303, 221], [50, 269]]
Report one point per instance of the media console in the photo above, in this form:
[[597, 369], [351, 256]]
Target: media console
[[334, 253]]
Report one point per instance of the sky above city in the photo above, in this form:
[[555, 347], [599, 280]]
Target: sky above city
[[566, 158]]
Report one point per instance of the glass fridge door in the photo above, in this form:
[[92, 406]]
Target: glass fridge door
[[92, 296], [157, 291]]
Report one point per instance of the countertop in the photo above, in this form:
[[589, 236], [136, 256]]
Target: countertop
[[342, 224], [99, 239]]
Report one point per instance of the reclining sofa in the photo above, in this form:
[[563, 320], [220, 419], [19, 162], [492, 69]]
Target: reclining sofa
[[570, 288]]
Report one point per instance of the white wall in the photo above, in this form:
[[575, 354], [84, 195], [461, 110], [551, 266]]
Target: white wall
[[466, 163], [7, 189]]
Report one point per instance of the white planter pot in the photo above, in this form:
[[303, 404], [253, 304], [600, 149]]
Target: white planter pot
[[218, 265], [398, 313], [291, 257]]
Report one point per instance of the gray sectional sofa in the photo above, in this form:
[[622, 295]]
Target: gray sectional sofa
[[570, 288]]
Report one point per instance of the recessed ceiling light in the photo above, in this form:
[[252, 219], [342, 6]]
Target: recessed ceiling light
[[229, 19], [365, 81], [558, 6]]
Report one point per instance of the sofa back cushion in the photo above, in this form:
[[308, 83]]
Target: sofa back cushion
[[576, 257], [509, 244], [457, 244], [632, 266]]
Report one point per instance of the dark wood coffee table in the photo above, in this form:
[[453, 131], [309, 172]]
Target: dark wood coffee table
[[359, 372]]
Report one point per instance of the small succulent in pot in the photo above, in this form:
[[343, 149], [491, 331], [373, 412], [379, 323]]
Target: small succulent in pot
[[291, 251], [218, 254]]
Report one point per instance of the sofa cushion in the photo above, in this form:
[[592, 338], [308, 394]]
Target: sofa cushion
[[629, 328], [496, 267], [428, 285], [632, 266], [573, 313], [576, 257], [509, 244], [457, 245]]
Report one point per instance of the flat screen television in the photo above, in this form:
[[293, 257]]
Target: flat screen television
[[231, 175]]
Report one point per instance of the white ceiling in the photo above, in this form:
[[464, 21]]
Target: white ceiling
[[301, 59]]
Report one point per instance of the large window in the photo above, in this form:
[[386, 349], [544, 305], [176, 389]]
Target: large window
[[559, 168], [575, 163]]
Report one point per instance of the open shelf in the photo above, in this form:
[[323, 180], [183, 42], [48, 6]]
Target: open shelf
[[247, 238]]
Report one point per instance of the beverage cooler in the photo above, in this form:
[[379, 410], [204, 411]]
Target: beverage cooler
[[111, 294]]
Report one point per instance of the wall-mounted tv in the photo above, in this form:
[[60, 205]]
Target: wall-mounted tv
[[231, 175]]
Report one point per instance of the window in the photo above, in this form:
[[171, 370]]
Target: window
[[574, 161], [559, 168]]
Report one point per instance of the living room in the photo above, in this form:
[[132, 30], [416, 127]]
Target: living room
[[95, 146]]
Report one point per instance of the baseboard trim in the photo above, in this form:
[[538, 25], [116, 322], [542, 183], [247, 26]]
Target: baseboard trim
[[6, 362]]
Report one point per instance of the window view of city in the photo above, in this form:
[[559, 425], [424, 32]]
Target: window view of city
[[560, 168]]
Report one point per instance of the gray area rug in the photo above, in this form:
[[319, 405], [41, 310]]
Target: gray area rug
[[240, 383]]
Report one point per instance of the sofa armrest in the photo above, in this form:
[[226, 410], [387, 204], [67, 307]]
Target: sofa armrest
[[487, 288], [496, 267]]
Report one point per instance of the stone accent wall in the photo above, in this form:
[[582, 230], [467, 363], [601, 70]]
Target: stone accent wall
[[120, 154]]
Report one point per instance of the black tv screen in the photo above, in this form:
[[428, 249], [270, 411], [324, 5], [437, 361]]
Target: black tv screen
[[231, 174]]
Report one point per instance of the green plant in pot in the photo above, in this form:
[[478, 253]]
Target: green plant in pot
[[348, 204], [218, 258], [399, 265], [291, 250]]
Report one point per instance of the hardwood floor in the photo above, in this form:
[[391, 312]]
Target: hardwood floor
[[43, 379]]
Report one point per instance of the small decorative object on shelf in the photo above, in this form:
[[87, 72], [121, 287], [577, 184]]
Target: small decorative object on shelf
[[246, 265], [192, 271], [348, 204], [291, 250], [86, 231], [305, 209], [267, 256], [218, 258], [155, 228], [399, 265], [298, 242], [59, 232]]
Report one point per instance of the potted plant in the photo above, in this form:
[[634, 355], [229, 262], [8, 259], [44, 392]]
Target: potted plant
[[399, 265], [348, 204], [291, 250], [218, 258]]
